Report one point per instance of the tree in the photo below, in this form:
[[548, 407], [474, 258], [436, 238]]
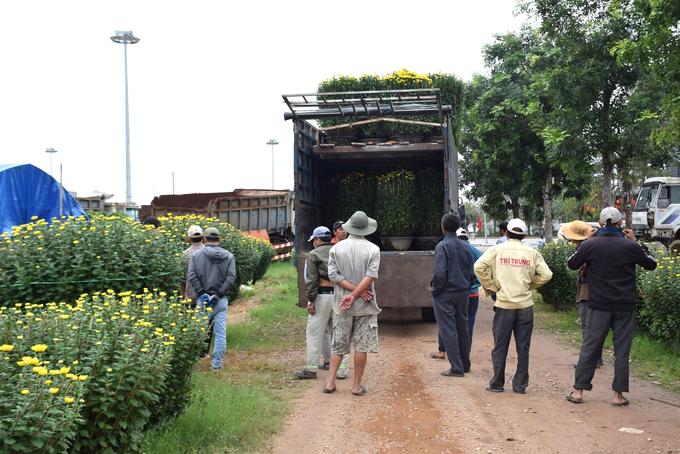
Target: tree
[[656, 47], [590, 92]]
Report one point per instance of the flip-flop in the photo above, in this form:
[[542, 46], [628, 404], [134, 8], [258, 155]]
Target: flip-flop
[[494, 390], [329, 391], [622, 404], [448, 373], [362, 392], [571, 398], [436, 355]]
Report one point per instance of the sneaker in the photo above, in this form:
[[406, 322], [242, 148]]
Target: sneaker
[[324, 366], [304, 374], [217, 369]]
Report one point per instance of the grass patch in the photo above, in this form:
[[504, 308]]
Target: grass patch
[[652, 359], [239, 409]]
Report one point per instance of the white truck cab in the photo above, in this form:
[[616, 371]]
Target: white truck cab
[[656, 216]]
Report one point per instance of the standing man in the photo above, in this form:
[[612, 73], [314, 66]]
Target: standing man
[[503, 228], [195, 236], [212, 272], [339, 233], [473, 303], [353, 266], [452, 278], [610, 255], [319, 303], [512, 270]]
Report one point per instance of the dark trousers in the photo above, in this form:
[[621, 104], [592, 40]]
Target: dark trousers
[[451, 311], [507, 322], [473, 305], [622, 324]]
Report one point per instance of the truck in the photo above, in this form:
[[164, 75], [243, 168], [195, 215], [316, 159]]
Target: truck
[[656, 215], [404, 275], [257, 212]]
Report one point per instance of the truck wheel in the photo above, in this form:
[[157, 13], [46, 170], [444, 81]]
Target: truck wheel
[[428, 314], [674, 247]]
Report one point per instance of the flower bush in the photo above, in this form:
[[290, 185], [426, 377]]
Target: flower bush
[[431, 202], [396, 204], [560, 291], [659, 304], [93, 374]]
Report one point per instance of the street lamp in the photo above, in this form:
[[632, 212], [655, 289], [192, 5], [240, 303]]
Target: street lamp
[[126, 38], [51, 151], [272, 142]]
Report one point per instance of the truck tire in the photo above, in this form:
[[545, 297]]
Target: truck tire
[[428, 314], [674, 247]]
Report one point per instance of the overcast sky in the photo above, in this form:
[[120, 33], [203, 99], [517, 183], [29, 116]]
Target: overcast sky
[[205, 81]]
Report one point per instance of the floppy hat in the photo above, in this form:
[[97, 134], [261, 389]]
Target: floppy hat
[[517, 226], [360, 224], [462, 233], [195, 232], [610, 214], [319, 232], [576, 230]]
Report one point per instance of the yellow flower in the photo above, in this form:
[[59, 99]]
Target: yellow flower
[[54, 390], [39, 348], [25, 391], [64, 370], [68, 400], [75, 362], [109, 370], [31, 361], [76, 241], [82, 377], [6, 348], [21, 363]]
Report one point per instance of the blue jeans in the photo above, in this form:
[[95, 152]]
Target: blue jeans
[[218, 318]]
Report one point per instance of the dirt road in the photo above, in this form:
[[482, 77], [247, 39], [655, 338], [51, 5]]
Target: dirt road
[[409, 407]]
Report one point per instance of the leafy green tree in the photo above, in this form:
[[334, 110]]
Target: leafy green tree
[[656, 47]]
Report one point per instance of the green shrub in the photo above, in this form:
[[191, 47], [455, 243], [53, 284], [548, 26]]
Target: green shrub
[[112, 361], [396, 204], [658, 307], [42, 263], [561, 289]]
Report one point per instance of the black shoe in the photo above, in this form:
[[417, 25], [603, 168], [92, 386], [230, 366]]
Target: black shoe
[[324, 366]]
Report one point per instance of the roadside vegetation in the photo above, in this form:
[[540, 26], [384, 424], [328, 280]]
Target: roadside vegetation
[[238, 409]]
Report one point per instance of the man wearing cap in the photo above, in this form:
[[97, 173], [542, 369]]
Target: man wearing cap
[[195, 236], [319, 302], [353, 266], [452, 278], [611, 255], [339, 233], [512, 270], [212, 272]]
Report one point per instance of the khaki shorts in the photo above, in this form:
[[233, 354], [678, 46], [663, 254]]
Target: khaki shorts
[[363, 330]]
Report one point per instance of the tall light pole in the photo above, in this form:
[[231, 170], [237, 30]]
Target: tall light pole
[[51, 151], [126, 38], [272, 142]]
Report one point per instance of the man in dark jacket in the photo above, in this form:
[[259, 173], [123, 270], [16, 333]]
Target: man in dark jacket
[[212, 272], [610, 255], [452, 278]]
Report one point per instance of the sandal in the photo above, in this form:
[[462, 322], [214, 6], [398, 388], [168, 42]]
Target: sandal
[[362, 392], [304, 374], [438, 355], [622, 404], [571, 398], [329, 391], [494, 390]]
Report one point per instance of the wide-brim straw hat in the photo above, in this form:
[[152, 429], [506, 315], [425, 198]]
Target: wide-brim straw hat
[[576, 230], [360, 224]]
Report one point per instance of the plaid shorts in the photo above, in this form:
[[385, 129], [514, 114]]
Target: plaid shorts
[[363, 330]]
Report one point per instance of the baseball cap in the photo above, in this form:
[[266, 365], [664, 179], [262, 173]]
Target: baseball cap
[[211, 233], [195, 232], [462, 233], [320, 232], [517, 226], [610, 214], [337, 224]]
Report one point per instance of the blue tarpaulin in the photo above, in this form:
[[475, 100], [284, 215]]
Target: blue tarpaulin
[[27, 191]]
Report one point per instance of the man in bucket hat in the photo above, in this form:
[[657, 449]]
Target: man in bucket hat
[[512, 270], [353, 266], [319, 303]]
